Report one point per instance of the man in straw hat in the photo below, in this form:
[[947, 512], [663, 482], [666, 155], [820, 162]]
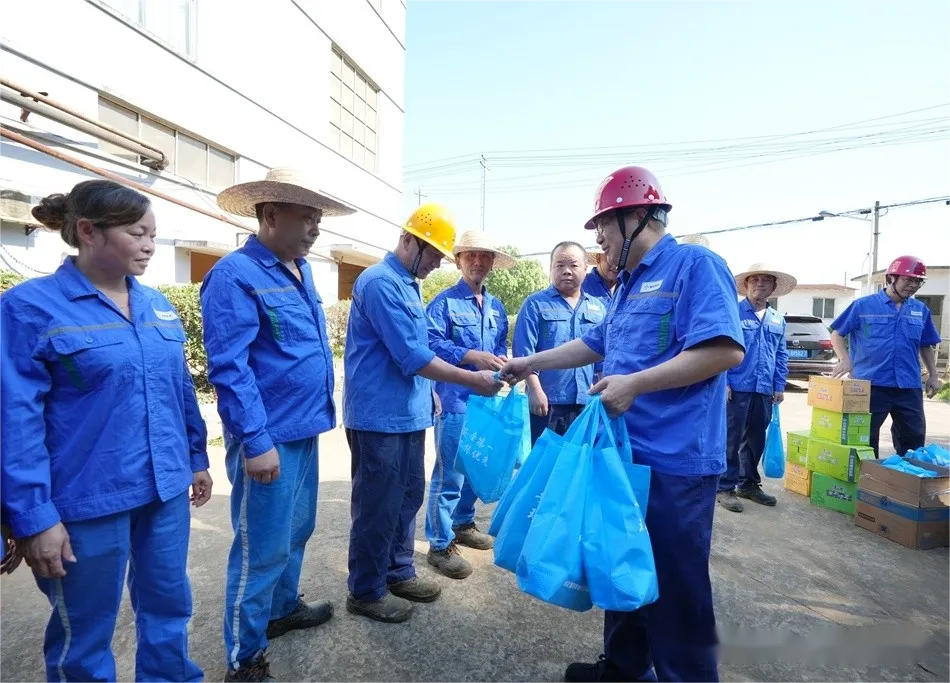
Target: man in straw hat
[[468, 327], [270, 363], [755, 385], [550, 318], [600, 283], [387, 406]]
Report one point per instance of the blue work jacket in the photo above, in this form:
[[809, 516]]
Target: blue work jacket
[[387, 343], [677, 297], [457, 324], [765, 367], [98, 412], [268, 354]]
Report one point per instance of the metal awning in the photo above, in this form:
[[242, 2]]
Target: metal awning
[[354, 254], [204, 247]]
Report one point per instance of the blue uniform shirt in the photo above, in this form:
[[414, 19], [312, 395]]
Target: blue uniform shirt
[[677, 297], [99, 414], [268, 355], [457, 324], [546, 321], [595, 286], [885, 341], [386, 345], [765, 367]]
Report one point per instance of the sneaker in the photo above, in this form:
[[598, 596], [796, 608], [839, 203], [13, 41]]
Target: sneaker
[[469, 535], [449, 562], [729, 501], [416, 589], [602, 670], [256, 670], [389, 609], [306, 615], [756, 495]]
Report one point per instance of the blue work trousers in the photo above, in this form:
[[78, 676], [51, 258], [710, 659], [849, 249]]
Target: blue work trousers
[[388, 488], [747, 421], [272, 524], [673, 639], [151, 543], [559, 419], [451, 498], [908, 424]]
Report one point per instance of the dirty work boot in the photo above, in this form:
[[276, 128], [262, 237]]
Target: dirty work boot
[[756, 495], [579, 672], [449, 562], [416, 589], [251, 670], [729, 501], [469, 535], [306, 615], [389, 608]]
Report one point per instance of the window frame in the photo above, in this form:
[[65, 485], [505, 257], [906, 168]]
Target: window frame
[[341, 136], [140, 24], [824, 301]]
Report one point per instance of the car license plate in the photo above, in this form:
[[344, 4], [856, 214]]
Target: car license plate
[[798, 353]]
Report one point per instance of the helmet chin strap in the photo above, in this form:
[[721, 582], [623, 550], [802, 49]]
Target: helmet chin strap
[[414, 270], [627, 241], [893, 286]]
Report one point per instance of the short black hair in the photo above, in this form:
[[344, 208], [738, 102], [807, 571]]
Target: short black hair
[[567, 245]]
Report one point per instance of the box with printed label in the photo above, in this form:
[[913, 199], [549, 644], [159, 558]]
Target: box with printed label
[[797, 479], [837, 460], [853, 429], [839, 395], [828, 492], [796, 450]]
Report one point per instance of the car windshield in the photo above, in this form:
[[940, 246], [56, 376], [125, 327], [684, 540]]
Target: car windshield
[[807, 329]]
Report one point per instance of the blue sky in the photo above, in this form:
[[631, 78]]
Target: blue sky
[[630, 78]]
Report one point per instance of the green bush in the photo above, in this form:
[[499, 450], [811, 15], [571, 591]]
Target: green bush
[[944, 393], [511, 330], [185, 299], [338, 317], [8, 279]]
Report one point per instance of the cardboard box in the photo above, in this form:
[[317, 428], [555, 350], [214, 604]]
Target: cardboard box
[[845, 428], [839, 395], [796, 448], [837, 460], [797, 479], [912, 511], [828, 492]]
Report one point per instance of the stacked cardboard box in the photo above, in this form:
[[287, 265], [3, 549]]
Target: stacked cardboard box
[[909, 510]]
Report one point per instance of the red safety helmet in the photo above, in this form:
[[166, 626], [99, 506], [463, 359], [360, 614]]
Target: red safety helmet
[[908, 266], [629, 187]]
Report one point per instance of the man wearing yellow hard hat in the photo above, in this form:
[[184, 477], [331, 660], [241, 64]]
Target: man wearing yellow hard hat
[[387, 406]]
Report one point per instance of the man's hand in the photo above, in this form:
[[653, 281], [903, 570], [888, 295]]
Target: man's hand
[[483, 360], [617, 393], [484, 383], [201, 488], [263, 468], [778, 397], [46, 551], [934, 385], [516, 370], [436, 404], [538, 402], [728, 393], [842, 368]]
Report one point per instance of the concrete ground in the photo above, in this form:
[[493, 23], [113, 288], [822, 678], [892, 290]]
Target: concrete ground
[[877, 609]]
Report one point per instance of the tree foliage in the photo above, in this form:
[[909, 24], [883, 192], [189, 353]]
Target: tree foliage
[[514, 285]]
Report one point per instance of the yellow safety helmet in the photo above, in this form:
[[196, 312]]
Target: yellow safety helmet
[[432, 223]]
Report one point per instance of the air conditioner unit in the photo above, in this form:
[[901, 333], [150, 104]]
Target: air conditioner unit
[[15, 207]]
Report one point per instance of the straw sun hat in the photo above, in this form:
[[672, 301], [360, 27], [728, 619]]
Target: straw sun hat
[[476, 240], [283, 185], [593, 255], [784, 283]]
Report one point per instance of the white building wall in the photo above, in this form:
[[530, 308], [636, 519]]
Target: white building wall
[[800, 302], [258, 87]]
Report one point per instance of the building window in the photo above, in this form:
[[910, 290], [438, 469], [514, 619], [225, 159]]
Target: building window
[[773, 304], [823, 308], [171, 21], [353, 118], [188, 157]]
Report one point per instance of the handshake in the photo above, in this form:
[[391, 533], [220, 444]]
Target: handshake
[[493, 372]]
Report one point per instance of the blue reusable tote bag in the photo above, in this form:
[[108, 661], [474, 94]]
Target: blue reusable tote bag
[[551, 565], [548, 440], [489, 443], [773, 458], [617, 553]]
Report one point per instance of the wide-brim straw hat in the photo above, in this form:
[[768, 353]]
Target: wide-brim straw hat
[[476, 240], [784, 283], [593, 255], [285, 185]]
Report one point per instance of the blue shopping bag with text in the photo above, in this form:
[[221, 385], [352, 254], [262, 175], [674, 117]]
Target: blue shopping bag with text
[[490, 442], [773, 457]]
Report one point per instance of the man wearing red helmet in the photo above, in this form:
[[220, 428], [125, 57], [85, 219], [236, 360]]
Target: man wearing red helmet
[[670, 334], [887, 335]]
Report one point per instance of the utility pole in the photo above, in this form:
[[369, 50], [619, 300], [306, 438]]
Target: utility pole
[[484, 165], [877, 216], [419, 195]]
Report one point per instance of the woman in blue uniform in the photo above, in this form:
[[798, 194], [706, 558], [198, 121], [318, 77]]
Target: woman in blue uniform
[[102, 438]]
